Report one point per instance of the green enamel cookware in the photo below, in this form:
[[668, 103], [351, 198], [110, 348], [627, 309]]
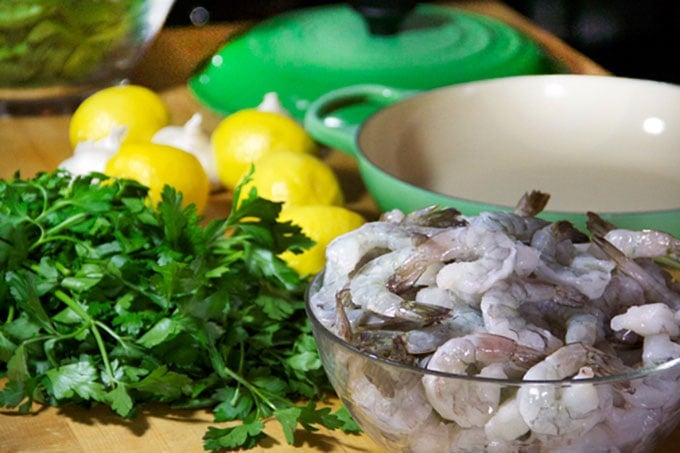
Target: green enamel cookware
[[305, 53], [594, 143]]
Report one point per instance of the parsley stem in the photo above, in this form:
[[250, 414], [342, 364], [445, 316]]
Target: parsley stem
[[69, 222], [92, 325], [10, 315], [102, 351], [50, 341], [51, 234], [113, 334], [240, 370], [46, 339], [45, 239], [225, 372], [73, 305]]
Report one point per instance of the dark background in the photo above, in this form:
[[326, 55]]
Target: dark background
[[631, 38]]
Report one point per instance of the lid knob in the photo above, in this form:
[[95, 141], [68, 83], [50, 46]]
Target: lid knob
[[383, 17]]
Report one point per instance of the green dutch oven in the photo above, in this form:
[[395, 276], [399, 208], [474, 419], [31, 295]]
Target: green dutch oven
[[595, 143]]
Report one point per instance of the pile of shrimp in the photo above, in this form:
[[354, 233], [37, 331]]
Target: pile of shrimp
[[506, 297]]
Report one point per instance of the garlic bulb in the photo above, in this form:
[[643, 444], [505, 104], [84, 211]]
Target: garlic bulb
[[193, 139], [92, 155], [271, 103]]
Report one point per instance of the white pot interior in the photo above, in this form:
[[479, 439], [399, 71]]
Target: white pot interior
[[595, 143]]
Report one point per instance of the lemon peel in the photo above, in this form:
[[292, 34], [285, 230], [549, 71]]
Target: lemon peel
[[138, 108], [321, 223], [156, 165], [294, 179], [245, 136]]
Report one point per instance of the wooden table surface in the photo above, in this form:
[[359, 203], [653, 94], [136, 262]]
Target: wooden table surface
[[31, 144]]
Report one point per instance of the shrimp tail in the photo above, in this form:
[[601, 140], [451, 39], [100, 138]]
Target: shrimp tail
[[424, 314], [566, 230], [652, 287], [406, 274], [342, 323], [604, 364], [436, 217], [532, 203], [410, 316], [524, 358], [386, 344], [597, 225]]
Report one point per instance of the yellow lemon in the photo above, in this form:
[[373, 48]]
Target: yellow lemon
[[156, 165], [295, 179], [321, 223], [246, 135], [138, 108]]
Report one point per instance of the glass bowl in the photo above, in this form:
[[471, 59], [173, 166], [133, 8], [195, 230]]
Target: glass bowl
[[398, 406], [53, 53]]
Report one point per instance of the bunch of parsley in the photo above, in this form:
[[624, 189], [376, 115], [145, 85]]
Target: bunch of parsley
[[106, 299]]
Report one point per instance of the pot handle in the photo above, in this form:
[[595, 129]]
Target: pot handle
[[340, 132]]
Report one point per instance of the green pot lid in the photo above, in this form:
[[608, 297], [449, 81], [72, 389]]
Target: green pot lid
[[306, 53]]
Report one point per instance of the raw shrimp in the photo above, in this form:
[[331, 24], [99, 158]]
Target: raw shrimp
[[655, 290], [527, 259], [395, 403], [429, 254], [567, 263], [472, 403], [586, 273], [349, 251], [572, 408], [644, 243], [646, 320], [621, 292], [658, 271], [368, 288], [464, 319], [454, 319], [506, 424], [655, 322], [658, 325], [567, 313], [584, 328], [520, 227], [635, 427], [660, 391], [556, 242], [521, 223], [469, 440], [441, 297], [481, 258], [434, 436], [477, 258], [500, 308], [389, 345]]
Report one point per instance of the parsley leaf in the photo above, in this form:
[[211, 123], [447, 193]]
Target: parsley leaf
[[246, 435]]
